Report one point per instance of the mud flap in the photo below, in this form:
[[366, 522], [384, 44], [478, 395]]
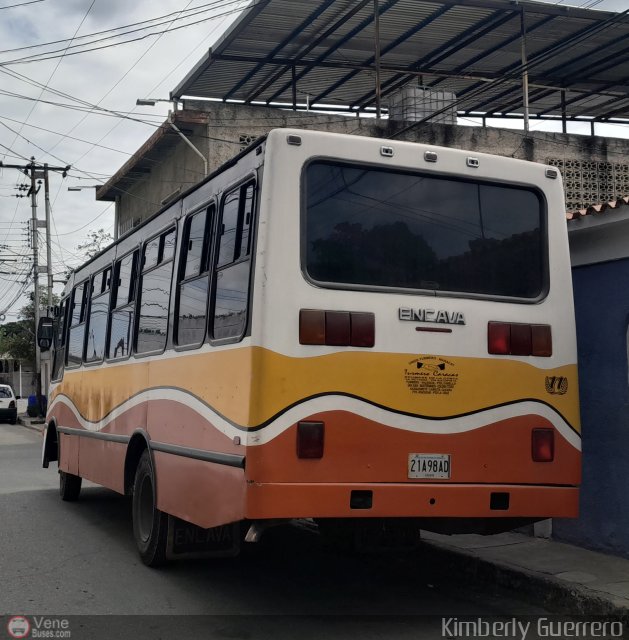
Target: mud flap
[[387, 534], [186, 540], [50, 445], [371, 535]]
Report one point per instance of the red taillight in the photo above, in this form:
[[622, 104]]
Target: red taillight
[[521, 339], [499, 338], [337, 328], [518, 339], [311, 326], [542, 340], [310, 439], [543, 445], [363, 330]]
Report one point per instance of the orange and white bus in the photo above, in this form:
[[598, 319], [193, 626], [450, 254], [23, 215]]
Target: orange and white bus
[[331, 327]]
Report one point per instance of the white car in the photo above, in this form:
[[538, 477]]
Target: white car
[[8, 404]]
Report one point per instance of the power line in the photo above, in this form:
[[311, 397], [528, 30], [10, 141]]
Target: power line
[[126, 26], [22, 4], [50, 77], [127, 72], [46, 56]]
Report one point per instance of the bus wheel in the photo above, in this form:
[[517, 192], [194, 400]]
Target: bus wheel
[[69, 486], [150, 525]]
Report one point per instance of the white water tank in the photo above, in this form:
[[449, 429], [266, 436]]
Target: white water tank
[[414, 103]]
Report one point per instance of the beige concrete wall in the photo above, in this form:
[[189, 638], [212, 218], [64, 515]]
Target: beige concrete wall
[[174, 171], [227, 123]]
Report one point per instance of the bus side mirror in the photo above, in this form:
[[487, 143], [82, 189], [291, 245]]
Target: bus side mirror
[[45, 333]]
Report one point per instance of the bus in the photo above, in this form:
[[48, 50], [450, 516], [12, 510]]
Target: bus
[[368, 334]]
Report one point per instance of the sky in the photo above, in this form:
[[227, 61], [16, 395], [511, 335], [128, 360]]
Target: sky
[[35, 120]]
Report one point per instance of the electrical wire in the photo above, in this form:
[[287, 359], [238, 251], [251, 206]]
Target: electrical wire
[[127, 26], [21, 4], [42, 57]]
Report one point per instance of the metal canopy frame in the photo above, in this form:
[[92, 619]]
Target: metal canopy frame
[[502, 58]]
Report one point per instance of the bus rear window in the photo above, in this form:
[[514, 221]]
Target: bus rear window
[[380, 228]]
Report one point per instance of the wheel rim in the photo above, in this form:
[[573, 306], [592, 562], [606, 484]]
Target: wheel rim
[[146, 509]]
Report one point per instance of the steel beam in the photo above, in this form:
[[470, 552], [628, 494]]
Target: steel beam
[[448, 48], [357, 29], [398, 41], [315, 43], [290, 38]]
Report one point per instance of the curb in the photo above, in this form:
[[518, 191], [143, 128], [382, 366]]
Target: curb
[[31, 424], [552, 593]]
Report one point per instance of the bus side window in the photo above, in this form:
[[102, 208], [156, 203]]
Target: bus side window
[[77, 312], [98, 313], [154, 296], [195, 279], [122, 305], [60, 341], [231, 290]]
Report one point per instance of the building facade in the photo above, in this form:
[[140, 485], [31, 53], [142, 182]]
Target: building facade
[[595, 169], [599, 248]]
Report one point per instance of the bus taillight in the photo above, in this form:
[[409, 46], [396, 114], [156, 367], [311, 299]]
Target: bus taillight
[[337, 328], [310, 436], [499, 338], [543, 445], [516, 339]]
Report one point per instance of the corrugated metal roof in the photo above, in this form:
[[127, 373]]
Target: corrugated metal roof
[[470, 47], [613, 205]]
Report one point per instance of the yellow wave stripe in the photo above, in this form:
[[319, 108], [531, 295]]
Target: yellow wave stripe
[[249, 385]]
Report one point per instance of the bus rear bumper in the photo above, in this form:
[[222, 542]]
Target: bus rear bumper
[[434, 500]]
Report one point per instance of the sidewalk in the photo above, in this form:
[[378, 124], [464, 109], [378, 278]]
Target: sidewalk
[[561, 577]]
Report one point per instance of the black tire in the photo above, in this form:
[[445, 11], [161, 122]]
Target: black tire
[[69, 486], [150, 525]]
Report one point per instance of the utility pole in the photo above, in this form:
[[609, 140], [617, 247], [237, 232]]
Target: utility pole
[[35, 244], [48, 240], [39, 172]]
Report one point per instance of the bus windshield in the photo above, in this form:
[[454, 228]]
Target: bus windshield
[[391, 229]]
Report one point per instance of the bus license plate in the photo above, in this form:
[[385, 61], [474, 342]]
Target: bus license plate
[[428, 465]]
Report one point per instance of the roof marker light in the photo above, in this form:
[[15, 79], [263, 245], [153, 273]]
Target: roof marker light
[[294, 140], [387, 152], [430, 156]]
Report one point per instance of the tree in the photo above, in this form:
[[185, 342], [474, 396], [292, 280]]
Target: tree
[[17, 339], [95, 242]]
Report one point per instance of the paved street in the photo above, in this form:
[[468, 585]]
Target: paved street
[[79, 558]]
